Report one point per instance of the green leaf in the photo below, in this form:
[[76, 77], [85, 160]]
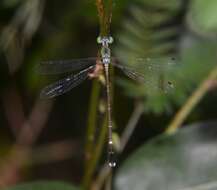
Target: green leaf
[[181, 161], [172, 5], [203, 16], [43, 185], [10, 3], [145, 35]]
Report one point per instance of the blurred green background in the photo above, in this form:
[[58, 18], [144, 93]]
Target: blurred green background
[[32, 31]]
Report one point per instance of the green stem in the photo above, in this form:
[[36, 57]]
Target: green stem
[[192, 102], [97, 152], [94, 159], [104, 8], [108, 15], [100, 10], [92, 118]]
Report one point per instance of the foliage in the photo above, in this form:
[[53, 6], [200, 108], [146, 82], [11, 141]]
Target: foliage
[[151, 31], [154, 30], [185, 160], [36, 30], [203, 22]]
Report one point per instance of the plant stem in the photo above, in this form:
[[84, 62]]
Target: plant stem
[[92, 118], [96, 155], [104, 8], [105, 171], [27, 136], [137, 112], [108, 15], [100, 9], [192, 102]]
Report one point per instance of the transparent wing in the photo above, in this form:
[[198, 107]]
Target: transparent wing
[[149, 72], [131, 73], [66, 84], [63, 66], [147, 64]]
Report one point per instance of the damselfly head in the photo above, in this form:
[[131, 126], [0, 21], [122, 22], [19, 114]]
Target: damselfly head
[[99, 40], [105, 40], [111, 40]]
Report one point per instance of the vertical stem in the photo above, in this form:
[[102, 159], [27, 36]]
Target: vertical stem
[[104, 8], [105, 171], [92, 117], [108, 15], [100, 9], [105, 20], [96, 155]]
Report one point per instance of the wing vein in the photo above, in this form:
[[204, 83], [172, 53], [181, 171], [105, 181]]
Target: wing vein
[[66, 84]]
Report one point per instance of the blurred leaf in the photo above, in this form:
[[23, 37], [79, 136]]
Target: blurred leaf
[[172, 5], [43, 185], [184, 160], [10, 3], [198, 58], [147, 34], [203, 16]]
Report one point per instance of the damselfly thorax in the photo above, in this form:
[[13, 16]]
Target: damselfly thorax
[[97, 70]]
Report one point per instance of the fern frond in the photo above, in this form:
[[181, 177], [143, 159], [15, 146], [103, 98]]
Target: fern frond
[[147, 34]]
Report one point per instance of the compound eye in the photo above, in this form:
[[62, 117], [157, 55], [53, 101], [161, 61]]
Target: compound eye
[[111, 40], [99, 40]]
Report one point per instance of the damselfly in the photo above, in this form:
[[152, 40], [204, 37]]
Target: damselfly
[[90, 65]]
